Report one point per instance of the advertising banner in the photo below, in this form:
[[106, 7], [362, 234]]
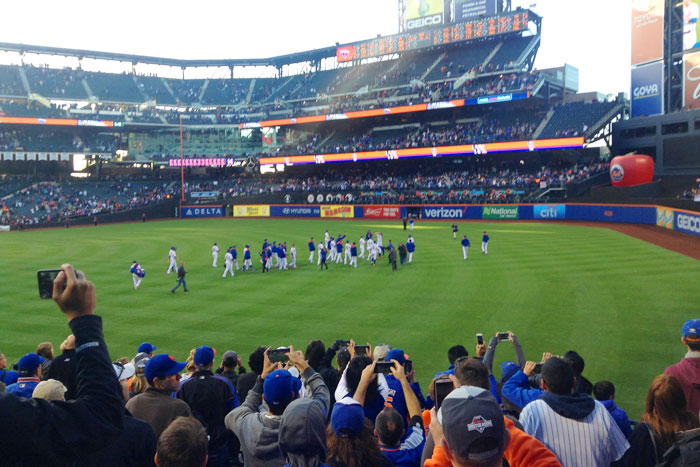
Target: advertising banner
[[549, 211], [647, 90], [500, 212], [445, 212], [295, 211], [611, 213], [424, 13], [688, 223], [258, 210], [691, 80], [468, 9], [691, 15], [391, 212], [665, 217], [647, 31], [204, 194], [201, 211], [346, 211]]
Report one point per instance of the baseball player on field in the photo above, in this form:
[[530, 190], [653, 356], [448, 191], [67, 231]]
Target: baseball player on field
[[465, 247], [215, 254], [172, 259]]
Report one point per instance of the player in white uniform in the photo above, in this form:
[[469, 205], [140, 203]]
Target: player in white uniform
[[370, 248], [172, 258], [228, 261], [293, 253], [347, 258], [321, 246], [333, 250], [410, 224], [362, 247], [137, 274], [373, 253], [379, 243], [215, 253], [326, 238]]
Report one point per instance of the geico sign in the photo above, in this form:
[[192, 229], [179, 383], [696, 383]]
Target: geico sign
[[691, 223], [646, 91], [423, 22]]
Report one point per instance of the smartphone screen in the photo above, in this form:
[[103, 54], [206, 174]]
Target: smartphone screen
[[408, 367], [45, 278], [442, 388], [361, 349], [503, 336], [278, 355], [480, 339], [383, 367]]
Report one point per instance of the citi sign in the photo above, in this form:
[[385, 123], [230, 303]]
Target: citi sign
[[650, 90], [688, 223], [549, 211], [423, 22], [444, 213]]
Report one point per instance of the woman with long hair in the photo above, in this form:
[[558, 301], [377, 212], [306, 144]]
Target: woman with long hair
[[664, 416]]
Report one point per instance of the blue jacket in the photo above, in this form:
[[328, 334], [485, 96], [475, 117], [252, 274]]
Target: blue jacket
[[620, 417], [246, 254], [517, 390], [409, 452], [24, 387], [234, 253], [411, 247], [465, 242], [339, 247], [353, 251], [281, 253], [312, 247], [323, 253], [486, 238]]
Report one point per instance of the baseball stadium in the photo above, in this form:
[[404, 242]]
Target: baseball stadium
[[458, 195]]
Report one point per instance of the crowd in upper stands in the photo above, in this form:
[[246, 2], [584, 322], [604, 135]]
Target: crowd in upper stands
[[341, 405]]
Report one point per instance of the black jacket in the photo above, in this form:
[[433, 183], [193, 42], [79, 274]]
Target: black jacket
[[135, 447], [62, 368], [39, 432]]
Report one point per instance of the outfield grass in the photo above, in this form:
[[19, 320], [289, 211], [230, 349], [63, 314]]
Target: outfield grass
[[618, 301]]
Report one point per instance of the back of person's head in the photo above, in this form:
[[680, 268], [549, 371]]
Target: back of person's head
[[575, 360], [343, 359], [558, 376], [257, 360], [314, 354], [353, 374], [666, 409], [302, 433], [204, 357], [472, 372], [190, 366], [50, 390], [473, 427], [183, 444], [229, 360], [350, 437], [380, 352], [45, 350], [455, 352], [604, 390], [389, 427], [691, 334], [279, 390]]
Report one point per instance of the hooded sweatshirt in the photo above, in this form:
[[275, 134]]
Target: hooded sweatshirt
[[302, 433], [687, 371], [258, 431]]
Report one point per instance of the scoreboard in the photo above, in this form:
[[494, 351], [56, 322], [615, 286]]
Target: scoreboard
[[448, 34]]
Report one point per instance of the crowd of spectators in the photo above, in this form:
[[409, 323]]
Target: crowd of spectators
[[52, 202], [340, 405]]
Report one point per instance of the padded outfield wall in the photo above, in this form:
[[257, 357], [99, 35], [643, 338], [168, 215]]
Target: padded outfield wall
[[670, 218]]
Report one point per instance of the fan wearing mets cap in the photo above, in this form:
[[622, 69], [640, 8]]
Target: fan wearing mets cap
[[29, 368], [687, 371], [258, 431]]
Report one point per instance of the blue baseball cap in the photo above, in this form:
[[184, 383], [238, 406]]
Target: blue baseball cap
[[146, 347], [396, 354], [348, 418], [280, 387], [163, 365], [691, 330], [30, 362], [204, 355], [508, 369]]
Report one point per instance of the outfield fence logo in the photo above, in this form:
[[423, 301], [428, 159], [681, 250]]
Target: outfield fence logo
[[260, 210], [443, 212], [201, 211], [338, 211], [295, 211], [382, 211], [664, 217], [504, 212], [550, 211], [688, 223]]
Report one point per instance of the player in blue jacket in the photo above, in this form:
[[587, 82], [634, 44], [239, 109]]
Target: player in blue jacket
[[353, 255], [411, 247], [465, 246], [454, 230], [234, 254], [323, 253], [485, 244], [312, 249], [339, 249], [282, 255], [247, 261]]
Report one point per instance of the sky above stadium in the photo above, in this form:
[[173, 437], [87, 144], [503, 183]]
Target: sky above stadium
[[593, 36]]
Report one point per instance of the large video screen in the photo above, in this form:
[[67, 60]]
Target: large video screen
[[691, 14], [424, 13]]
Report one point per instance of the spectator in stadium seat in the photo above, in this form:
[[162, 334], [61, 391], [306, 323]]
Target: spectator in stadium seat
[[380, 352], [146, 348], [36, 431], [210, 398], [377, 391], [7, 377], [156, 405], [247, 380], [259, 431], [687, 371], [29, 368], [523, 450], [302, 433], [231, 367], [397, 394], [314, 353], [666, 414], [508, 368], [50, 390], [183, 444], [62, 367], [45, 351], [350, 438], [583, 386], [453, 353], [604, 392], [517, 389], [578, 429]]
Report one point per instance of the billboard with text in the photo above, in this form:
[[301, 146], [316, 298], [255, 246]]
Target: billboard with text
[[468, 9], [201, 211], [345, 210], [257, 210], [647, 31], [691, 80], [424, 13], [647, 90], [549, 211], [391, 212]]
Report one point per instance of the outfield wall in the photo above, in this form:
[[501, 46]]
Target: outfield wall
[[670, 218]]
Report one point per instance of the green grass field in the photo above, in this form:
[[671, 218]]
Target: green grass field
[[618, 301]]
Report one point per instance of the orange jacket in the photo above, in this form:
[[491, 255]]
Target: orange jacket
[[523, 450]]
